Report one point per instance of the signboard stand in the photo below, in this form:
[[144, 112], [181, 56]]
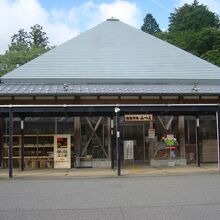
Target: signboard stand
[[129, 150], [62, 151]]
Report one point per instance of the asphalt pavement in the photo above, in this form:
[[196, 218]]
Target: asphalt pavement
[[173, 197]]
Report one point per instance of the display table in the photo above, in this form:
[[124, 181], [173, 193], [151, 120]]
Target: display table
[[35, 162], [83, 162], [171, 162]]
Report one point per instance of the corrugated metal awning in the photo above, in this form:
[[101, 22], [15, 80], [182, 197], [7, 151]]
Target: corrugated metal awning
[[60, 89]]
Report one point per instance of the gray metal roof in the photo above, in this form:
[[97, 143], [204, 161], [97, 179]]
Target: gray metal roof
[[114, 52], [44, 89]]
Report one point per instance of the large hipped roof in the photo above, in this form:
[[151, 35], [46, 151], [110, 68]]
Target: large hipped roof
[[114, 52]]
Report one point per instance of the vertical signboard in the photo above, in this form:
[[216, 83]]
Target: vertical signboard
[[62, 151], [129, 150], [151, 133]]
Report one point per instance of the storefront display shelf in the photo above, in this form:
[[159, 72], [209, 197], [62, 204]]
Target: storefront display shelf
[[38, 148]]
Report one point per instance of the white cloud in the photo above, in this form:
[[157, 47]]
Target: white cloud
[[61, 24], [90, 14], [213, 5], [17, 14], [125, 11]]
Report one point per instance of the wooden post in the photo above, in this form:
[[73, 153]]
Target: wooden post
[[1, 143], [181, 136], [112, 147], [77, 135], [144, 140], [109, 137], [22, 144], [218, 136], [152, 143], [10, 156], [197, 141]]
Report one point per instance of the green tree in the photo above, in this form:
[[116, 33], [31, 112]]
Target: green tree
[[38, 36], [212, 56], [20, 41], [150, 25], [195, 29], [192, 17], [203, 41], [16, 54], [23, 48]]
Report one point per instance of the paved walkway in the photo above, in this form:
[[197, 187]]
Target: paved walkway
[[127, 171]]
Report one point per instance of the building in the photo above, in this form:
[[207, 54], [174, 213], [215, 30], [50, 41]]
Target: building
[[65, 107]]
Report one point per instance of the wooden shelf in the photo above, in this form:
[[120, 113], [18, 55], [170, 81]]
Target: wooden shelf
[[13, 157], [38, 157], [38, 146], [31, 157], [31, 135], [15, 135], [35, 145], [6, 146]]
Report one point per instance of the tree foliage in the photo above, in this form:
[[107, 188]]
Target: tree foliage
[[20, 40], [150, 25], [38, 36], [23, 48], [192, 17], [213, 56], [194, 28]]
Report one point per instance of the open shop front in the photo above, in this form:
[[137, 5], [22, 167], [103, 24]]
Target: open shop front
[[91, 141]]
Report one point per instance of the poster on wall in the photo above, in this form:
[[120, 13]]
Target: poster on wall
[[62, 151], [128, 150], [151, 133]]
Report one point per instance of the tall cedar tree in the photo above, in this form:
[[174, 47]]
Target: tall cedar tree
[[38, 36], [150, 25]]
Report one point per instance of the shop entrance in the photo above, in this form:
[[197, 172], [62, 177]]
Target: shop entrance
[[133, 143]]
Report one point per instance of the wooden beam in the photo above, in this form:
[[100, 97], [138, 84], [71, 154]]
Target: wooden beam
[[22, 144], [77, 135], [181, 128], [161, 122], [94, 129], [1, 142], [10, 156], [92, 134], [166, 126]]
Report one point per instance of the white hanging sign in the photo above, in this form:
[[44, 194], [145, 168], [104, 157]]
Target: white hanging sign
[[151, 133], [128, 150]]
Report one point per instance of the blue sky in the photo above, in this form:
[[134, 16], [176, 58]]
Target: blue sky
[[159, 8], [64, 19]]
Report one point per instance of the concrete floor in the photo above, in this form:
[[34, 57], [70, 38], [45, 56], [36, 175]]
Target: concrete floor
[[127, 171]]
